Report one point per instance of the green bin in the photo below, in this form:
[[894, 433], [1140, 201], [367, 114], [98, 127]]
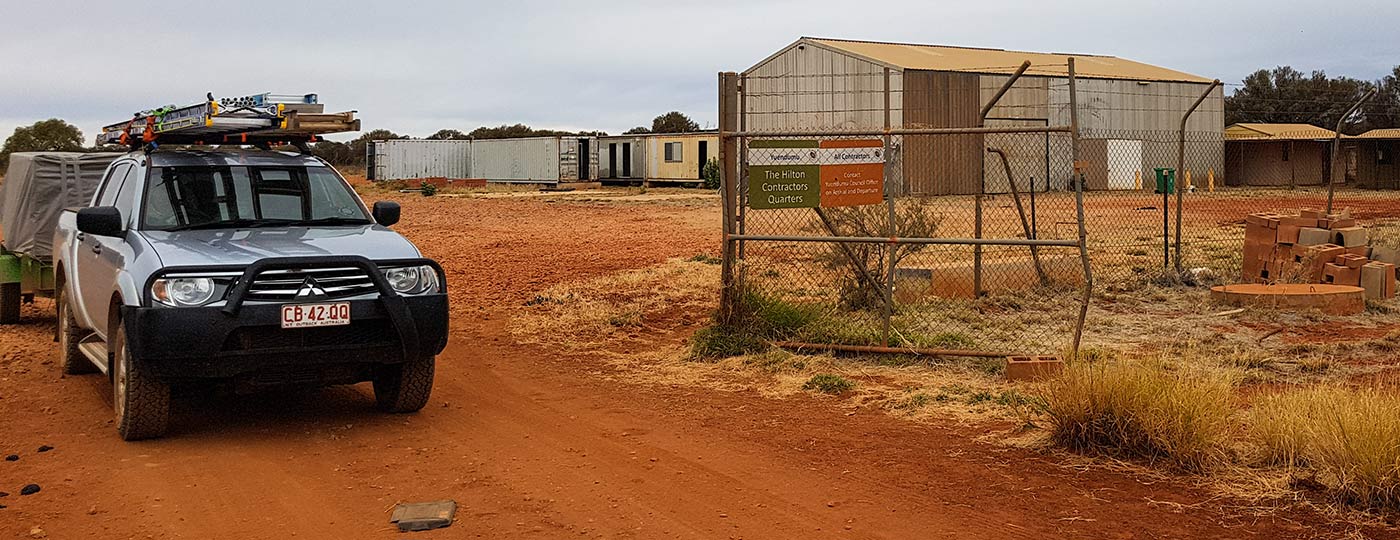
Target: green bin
[[1165, 177]]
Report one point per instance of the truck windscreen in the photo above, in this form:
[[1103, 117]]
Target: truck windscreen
[[180, 198]]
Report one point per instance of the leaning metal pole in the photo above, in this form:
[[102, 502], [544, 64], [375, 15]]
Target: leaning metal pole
[[982, 183], [1181, 166], [1021, 211], [1079, 208], [1337, 149]]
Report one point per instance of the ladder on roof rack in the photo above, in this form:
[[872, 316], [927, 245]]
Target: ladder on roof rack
[[256, 119]]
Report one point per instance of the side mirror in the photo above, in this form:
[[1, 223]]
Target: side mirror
[[101, 221], [386, 213]]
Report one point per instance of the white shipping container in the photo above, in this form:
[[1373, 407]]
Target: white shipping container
[[410, 159], [534, 159]]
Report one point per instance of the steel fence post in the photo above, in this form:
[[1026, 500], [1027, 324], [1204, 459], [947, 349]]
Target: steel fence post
[[894, 226], [1079, 211], [728, 151]]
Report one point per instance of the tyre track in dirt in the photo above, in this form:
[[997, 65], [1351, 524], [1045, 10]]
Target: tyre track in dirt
[[537, 443]]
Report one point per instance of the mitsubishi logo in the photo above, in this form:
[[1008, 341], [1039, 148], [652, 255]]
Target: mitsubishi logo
[[309, 288]]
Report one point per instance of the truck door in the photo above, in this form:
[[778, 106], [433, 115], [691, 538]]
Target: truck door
[[100, 257]]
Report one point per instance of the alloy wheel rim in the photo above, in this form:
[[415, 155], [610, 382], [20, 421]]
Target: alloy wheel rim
[[120, 376], [64, 328]]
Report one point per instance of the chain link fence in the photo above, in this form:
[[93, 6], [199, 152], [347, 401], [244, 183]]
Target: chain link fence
[[988, 219]]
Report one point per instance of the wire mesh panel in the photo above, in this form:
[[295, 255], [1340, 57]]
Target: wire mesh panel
[[828, 265]]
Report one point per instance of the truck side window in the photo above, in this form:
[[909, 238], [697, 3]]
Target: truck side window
[[126, 194], [112, 184]]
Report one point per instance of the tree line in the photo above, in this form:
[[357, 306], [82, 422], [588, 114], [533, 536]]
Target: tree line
[[1287, 96], [56, 135], [1279, 95]]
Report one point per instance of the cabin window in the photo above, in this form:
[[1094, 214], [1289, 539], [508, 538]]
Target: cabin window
[[673, 152]]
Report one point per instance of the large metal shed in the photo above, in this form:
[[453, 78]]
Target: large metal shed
[[1129, 111]]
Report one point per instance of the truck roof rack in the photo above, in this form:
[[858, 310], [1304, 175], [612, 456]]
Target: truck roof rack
[[258, 119]]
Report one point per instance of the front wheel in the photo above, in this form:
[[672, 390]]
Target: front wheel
[[142, 400], [404, 388]]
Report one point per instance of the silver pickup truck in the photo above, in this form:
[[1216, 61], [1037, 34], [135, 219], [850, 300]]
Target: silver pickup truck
[[255, 267]]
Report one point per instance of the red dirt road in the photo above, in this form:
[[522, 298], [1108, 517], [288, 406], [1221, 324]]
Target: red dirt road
[[541, 444]]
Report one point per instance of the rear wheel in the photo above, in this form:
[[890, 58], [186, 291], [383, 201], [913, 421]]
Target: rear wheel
[[142, 401], [404, 388], [9, 302], [73, 360]]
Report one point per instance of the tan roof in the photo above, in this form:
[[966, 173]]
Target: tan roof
[[1277, 132], [1386, 133], [975, 60]]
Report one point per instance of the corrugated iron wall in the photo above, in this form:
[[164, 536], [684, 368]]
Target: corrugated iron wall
[[517, 160], [409, 159], [941, 165], [812, 87]]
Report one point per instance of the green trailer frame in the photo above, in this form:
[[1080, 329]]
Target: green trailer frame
[[22, 278]]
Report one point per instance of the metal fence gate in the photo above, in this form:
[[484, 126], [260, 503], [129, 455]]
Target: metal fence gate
[[835, 239]]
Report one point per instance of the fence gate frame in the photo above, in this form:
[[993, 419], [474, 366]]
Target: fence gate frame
[[733, 133]]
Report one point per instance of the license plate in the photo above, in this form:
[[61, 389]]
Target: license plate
[[308, 315]]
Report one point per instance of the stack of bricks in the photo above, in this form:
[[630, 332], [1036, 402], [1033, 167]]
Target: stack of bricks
[[1315, 247]]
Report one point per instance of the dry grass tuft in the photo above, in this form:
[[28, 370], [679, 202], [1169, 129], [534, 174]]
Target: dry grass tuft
[[586, 314], [1140, 409], [1350, 437]]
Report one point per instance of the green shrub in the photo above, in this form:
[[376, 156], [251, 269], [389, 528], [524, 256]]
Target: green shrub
[[715, 342], [428, 190], [709, 175], [827, 383]]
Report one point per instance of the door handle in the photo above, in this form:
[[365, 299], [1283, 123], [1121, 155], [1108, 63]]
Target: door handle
[[97, 248], [80, 236]]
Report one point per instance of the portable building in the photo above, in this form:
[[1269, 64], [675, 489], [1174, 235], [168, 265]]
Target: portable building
[[622, 157], [1371, 159], [1277, 154], [549, 160], [821, 84], [679, 157], [411, 159]]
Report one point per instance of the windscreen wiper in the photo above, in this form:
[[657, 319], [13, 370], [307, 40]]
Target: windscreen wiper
[[330, 221], [230, 224]]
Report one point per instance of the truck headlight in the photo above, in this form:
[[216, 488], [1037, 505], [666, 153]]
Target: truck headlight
[[412, 279], [184, 291]]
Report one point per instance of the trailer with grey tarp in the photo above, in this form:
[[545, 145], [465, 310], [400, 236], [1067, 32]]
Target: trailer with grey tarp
[[37, 187]]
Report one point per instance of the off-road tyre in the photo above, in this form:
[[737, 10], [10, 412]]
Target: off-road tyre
[[74, 362], [10, 295], [141, 400], [404, 388]]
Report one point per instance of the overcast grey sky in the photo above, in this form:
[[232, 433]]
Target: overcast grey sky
[[416, 67]]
